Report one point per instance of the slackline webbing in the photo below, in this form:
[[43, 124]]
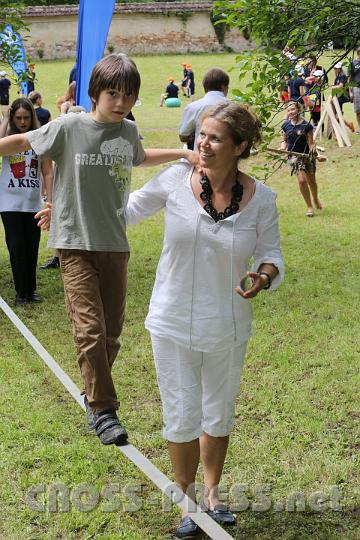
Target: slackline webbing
[[205, 522]]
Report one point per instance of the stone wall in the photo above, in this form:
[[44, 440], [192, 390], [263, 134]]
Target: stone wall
[[174, 27]]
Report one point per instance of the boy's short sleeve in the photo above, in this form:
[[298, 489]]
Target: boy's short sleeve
[[138, 151], [49, 140]]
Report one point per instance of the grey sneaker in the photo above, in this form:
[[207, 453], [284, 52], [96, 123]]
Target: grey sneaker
[[90, 415], [109, 429]]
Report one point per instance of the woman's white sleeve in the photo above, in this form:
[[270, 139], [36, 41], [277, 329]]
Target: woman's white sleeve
[[148, 200], [267, 249]]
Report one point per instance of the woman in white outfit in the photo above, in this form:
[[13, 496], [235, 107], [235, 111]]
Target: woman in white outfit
[[199, 318]]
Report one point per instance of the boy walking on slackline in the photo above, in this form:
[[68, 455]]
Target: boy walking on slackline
[[94, 154]]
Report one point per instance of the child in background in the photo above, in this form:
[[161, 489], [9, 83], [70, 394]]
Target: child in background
[[20, 199], [184, 80], [171, 91], [94, 154], [297, 136]]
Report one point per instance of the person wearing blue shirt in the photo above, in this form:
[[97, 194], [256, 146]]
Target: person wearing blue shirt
[[297, 136]]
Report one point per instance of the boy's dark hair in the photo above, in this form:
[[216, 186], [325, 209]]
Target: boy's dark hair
[[215, 79], [115, 71], [22, 103]]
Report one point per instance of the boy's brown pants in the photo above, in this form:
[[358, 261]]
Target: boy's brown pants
[[95, 295]]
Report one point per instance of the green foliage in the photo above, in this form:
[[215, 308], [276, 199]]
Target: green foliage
[[10, 13], [183, 15], [219, 27], [305, 27], [11, 52]]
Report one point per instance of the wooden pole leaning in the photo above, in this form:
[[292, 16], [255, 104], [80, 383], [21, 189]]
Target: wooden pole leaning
[[342, 124]]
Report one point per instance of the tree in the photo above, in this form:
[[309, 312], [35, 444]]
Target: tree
[[10, 51], [305, 27]]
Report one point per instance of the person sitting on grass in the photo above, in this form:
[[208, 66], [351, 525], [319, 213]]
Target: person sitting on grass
[[94, 154], [172, 91]]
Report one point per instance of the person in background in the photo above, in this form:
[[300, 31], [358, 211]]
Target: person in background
[[22, 174], [43, 115], [296, 84], [190, 81], [315, 97], [171, 91], [354, 91], [199, 318], [184, 80], [72, 75], [216, 86], [70, 98], [284, 93], [338, 86], [4, 93], [31, 76], [297, 136]]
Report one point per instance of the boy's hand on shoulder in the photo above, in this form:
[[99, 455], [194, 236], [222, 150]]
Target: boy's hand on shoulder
[[193, 158]]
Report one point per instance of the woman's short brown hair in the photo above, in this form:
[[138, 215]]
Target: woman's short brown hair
[[116, 71], [242, 122]]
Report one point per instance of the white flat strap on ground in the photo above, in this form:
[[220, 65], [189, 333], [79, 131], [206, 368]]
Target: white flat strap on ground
[[205, 522]]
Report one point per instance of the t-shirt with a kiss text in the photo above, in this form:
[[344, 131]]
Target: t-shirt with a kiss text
[[20, 183], [92, 180]]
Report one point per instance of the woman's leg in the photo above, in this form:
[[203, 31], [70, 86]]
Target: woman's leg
[[221, 375], [185, 461], [179, 377], [304, 189], [314, 189], [213, 453]]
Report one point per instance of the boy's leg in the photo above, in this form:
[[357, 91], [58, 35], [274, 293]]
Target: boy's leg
[[80, 271], [113, 285]]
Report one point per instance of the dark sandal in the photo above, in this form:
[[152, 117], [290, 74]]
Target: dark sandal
[[222, 515], [187, 528], [108, 428]]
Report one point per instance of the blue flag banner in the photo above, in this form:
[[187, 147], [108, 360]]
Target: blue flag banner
[[93, 27], [14, 54]]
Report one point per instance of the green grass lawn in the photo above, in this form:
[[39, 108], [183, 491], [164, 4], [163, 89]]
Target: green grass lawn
[[298, 415]]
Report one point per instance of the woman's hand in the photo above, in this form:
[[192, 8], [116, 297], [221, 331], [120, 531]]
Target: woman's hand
[[259, 281], [44, 217]]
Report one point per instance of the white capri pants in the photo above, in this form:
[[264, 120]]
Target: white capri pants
[[198, 389]]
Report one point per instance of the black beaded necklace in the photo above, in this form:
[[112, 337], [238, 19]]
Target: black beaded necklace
[[205, 195]]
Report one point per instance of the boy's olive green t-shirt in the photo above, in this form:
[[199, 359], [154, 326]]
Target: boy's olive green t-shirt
[[92, 179]]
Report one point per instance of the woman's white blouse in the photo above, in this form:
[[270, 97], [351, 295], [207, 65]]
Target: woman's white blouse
[[193, 302]]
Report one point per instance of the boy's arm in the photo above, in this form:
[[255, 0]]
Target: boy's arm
[[47, 177], [157, 156], [14, 144]]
